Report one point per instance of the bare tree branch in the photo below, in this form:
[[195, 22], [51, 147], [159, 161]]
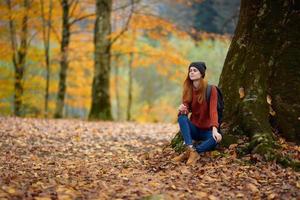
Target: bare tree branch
[[81, 18], [12, 31], [31, 38], [126, 26], [74, 8], [125, 6], [55, 33], [70, 2]]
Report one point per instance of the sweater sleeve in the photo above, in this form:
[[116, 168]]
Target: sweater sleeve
[[213, 107]]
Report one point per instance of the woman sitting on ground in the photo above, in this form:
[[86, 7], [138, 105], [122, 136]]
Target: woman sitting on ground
[[203, 123]]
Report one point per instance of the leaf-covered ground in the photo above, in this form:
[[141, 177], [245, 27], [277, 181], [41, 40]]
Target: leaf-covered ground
[[73, 159]]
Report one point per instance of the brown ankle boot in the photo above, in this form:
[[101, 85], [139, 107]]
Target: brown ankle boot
[[193, 157], [182, 157]]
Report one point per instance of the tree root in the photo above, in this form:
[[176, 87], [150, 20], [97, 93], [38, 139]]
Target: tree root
[[261, 143], [269, 149]]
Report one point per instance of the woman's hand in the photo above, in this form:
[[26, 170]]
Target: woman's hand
[[183, 109], [216, 135]]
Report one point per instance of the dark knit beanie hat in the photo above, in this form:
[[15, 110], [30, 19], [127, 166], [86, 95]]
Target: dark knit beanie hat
[[200, 66]]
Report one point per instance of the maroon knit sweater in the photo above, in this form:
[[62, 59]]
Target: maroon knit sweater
[[204, 116]]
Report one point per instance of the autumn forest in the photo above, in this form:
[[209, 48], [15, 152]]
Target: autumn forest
[[54, 47], [149, 99]]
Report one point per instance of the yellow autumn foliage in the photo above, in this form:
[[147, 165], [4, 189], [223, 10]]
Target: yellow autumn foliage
[[148, 38]]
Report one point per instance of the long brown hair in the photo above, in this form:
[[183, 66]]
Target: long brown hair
[[187, 95]]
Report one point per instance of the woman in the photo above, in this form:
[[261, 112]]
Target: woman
[[203, 123]]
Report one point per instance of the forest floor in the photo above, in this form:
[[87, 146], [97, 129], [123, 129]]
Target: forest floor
[[75, 159]]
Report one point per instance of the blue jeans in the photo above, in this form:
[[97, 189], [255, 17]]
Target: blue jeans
[[190, 132]]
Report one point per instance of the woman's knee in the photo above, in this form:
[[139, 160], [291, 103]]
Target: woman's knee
[[207, 145], [182, 118], [213, 141]]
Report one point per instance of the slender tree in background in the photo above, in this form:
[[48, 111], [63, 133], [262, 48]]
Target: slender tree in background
[[19, 53], [64, 59], [46, 21], [116, 67], [129, 101], [68, 20], [116, 22], [263, 64]]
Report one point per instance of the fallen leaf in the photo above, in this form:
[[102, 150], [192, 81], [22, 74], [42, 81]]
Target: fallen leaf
[[252, 187]]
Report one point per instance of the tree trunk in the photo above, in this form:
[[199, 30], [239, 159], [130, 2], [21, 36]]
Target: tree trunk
[[20, 67], [19, 54], [63, 61], [129, 101], [101, 107], [262, 60], [117, 87], [46, 40]]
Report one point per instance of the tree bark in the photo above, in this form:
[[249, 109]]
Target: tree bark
[[101, 106], [64, 63], [263, 60]]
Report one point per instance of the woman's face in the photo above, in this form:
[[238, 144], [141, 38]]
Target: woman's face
[[194, 74]]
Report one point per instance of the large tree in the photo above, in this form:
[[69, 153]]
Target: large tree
[[261, 72], [101, 108], [263, 62]]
